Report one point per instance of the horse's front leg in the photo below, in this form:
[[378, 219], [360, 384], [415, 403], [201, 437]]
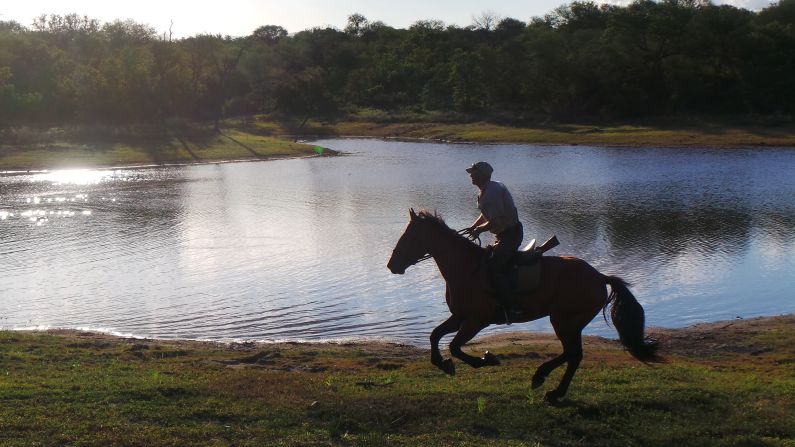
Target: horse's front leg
[[449, 326], [468, 330]]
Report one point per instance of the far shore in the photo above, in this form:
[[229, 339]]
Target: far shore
[[727, 383], [265, 140], [176, 163], [721, 136], [230, 145]]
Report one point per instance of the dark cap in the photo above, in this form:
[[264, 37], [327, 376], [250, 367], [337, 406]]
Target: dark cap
[[482, 167]]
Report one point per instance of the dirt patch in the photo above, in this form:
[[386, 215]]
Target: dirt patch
[[261, 358], [754, 336]]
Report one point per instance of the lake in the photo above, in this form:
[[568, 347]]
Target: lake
[[297, 249]]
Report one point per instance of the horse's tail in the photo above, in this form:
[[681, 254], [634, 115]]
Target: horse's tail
[[629, 319]]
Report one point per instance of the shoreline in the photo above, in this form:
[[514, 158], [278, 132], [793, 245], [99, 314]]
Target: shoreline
[[177, 164], [431, 140], [230, 146], [500, 339], [266, 140], [612, 135]]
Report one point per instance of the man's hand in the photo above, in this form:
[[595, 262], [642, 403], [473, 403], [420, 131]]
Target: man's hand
[[473, 231]]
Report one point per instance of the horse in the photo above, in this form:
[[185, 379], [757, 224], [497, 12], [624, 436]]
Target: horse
[[571, 293]]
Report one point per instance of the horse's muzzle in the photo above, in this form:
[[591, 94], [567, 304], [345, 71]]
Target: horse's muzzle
[[395, 269]]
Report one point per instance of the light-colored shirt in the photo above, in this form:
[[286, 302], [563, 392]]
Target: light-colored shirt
[[496, 204]]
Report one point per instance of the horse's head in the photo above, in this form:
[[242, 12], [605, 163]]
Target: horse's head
[[410, 247]]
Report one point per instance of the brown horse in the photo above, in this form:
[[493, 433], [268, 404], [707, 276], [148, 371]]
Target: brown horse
[[571, 292]]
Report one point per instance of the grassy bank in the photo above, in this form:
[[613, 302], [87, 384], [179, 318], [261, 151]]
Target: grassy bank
[[573, 134], [265, 139], [125, 150], [728, 384]]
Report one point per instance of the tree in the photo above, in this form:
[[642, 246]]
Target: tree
[[11, 26], [509, 28], [486, 21], [357, 24], [269, 34], [466, 80], [305, 95], [121, 33]]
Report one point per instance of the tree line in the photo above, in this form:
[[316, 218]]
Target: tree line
[[582, 61]]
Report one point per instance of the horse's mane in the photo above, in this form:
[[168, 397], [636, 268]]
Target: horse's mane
[[436, 219]]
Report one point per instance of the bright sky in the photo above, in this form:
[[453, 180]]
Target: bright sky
[[241, 17]]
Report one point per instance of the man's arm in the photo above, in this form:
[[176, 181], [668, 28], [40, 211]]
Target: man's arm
[[485, 225], [476, 225], [479, 221]]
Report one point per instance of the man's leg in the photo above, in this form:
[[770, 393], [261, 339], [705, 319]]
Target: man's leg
[[499, 278], [502, 255]]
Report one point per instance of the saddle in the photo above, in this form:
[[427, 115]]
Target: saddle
[[524, 273], [525, 270]]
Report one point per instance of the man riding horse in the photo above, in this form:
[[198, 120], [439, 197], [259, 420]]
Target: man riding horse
[[498, 215], [570, 291]]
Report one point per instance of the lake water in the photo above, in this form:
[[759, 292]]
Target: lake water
[[297, 249]]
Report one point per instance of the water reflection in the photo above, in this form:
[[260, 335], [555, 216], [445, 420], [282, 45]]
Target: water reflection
[[75, 176], [295, 249]]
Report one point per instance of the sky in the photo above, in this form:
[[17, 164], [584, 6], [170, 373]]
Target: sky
[[241, 17]]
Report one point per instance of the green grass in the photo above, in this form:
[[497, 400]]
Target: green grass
[[230, 144], [452, 127], [263, 138], [83, 389], [613, 135]]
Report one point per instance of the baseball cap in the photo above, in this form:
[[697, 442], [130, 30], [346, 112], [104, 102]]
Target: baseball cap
[[481, 167]]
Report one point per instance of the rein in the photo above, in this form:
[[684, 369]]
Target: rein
[[470, 237]]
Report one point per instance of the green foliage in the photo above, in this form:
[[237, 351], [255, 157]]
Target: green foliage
[[583, 61], [269, 34], [481, 404]]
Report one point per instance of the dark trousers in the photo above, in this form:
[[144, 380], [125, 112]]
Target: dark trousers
[[505, 247]]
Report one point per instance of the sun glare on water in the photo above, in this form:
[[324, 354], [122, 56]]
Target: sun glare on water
[[42, 209], [74, 176]]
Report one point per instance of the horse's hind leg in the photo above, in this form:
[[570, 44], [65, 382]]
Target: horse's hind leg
[[546, 368], [572, 351], [564, 335], [468, 330], [450, 325]]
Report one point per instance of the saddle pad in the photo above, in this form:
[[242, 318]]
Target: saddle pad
[[528, 277]]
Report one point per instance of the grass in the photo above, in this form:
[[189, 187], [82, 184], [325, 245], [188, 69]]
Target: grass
[[230, 144], [447, 127], [263, 138], [92, 389], [573, 134]]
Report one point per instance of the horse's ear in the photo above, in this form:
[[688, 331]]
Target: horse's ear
[[412, 214]]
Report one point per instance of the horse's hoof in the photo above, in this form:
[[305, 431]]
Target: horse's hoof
[[537, 382], [552, 397], [490, 359], [448, 367]]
